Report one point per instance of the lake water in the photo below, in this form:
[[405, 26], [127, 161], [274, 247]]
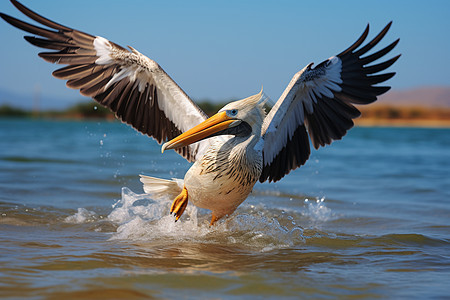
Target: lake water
[[368, 217]]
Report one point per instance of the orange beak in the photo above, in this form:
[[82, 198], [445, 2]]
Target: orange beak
[[216, 123]]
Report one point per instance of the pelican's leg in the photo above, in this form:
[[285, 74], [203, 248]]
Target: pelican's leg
[[179, 204], [214, 219]]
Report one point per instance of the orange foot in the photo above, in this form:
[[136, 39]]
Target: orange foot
[[179, 204], [214, 219]]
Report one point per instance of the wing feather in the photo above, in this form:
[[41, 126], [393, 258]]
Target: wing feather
[[321, 100], [130, 84]]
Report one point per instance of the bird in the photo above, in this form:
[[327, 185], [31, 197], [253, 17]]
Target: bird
[[242, 143]]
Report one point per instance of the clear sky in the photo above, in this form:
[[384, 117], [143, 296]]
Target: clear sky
[[228, 49]]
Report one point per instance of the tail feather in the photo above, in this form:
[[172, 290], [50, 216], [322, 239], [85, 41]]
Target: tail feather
[[162, 188]]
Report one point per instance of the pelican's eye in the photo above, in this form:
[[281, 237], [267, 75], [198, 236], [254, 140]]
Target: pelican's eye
[[232, 112]]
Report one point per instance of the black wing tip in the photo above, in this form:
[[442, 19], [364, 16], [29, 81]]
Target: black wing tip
[[395, 58], [358, 42], [17, 4], [388, 26], [383, 89], [389, 75], [395, 42], [7, 18], [37, 17], [29, 39], [377, 55], [363, 37], [372, 69]]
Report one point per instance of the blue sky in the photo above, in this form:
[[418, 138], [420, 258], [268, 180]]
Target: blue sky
[[228, 49]]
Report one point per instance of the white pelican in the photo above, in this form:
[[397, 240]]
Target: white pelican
[[239, 145]]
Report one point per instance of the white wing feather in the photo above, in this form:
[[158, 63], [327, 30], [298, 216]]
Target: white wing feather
[[288, 112]]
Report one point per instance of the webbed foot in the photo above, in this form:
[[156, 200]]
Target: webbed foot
[[214, 219], [179, 204]]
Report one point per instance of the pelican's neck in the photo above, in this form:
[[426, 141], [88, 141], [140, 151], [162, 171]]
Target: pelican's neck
[[235, 159], [243, 149], [246, 142]]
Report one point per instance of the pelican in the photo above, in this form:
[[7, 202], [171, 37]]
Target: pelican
[[239, 145]]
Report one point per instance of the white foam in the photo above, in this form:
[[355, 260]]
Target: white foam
[[317, 212], [140, 218], [82, 216]]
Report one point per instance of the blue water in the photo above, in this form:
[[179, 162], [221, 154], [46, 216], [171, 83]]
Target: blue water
[[367, 217]]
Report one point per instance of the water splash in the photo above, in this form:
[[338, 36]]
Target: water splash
[[82, 216], [317, 211], [141, 218]]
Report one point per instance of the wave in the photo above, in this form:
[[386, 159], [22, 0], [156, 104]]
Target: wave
[[139, 218]]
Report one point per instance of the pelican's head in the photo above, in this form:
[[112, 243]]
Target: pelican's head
[[240, 118]]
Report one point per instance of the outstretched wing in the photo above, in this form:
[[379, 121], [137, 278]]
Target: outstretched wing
[[130, 84], [319, 101]]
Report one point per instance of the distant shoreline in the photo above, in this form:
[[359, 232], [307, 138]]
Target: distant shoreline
[[403, 116], [359, 122], [367, 122], [371, 116]]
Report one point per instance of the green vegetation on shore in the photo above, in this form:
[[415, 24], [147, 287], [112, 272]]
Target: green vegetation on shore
[[85, 110], [9, 111]]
